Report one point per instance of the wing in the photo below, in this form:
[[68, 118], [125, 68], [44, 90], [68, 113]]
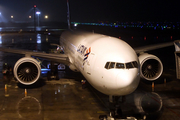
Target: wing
[[60, 58], [153, 47]]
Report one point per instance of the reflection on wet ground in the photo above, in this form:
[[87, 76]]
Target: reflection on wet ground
[[51, 101], [66, 99]]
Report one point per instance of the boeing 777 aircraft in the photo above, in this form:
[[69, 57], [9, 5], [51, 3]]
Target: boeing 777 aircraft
[[109, 64]]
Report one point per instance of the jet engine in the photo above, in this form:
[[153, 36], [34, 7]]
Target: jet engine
[[151, 67], [27, 70]]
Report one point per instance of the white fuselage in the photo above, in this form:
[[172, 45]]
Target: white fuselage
[[109, 64]]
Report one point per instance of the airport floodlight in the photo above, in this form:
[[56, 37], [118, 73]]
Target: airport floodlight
[[46, 17], [38, 13], [75, 24], [12, 16], [30, 17]]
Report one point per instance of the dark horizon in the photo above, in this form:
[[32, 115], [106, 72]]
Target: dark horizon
[[91, 11]]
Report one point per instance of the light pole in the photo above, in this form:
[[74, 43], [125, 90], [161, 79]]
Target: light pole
[[0, 25], [0, 19], [38, 13], [34, 18]]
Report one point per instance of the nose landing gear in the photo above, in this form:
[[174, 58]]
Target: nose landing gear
[[115, 109]]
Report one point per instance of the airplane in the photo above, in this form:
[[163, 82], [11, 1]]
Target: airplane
[[109, 64]]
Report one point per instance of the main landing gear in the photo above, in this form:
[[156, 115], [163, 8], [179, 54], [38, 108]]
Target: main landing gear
[[53, 73]]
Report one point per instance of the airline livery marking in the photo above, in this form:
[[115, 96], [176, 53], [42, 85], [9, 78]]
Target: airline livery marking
[[84, 51], [81, 49], [88, 51]]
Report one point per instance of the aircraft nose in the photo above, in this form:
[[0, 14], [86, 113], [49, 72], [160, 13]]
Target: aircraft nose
[[128, 80]]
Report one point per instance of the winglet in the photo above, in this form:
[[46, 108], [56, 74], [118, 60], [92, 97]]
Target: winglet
[[68, 16]]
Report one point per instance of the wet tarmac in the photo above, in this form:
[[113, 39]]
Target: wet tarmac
[[66, 99], [63, 99]]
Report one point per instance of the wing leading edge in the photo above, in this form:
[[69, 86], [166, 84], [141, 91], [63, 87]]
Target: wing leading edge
[[63, 58], [60, 58]]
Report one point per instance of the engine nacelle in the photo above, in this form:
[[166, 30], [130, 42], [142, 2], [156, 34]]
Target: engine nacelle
[[27, 70], [151, 67]]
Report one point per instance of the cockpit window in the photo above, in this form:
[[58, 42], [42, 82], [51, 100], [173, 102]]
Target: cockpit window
[[129, 65], [135, 64], [112, 65], [120, 65], [107, 65]]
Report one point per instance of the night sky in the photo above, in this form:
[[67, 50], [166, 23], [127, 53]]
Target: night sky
[[93, 10]]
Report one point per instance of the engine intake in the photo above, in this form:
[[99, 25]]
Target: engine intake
[[27, 70], [151, 67]]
